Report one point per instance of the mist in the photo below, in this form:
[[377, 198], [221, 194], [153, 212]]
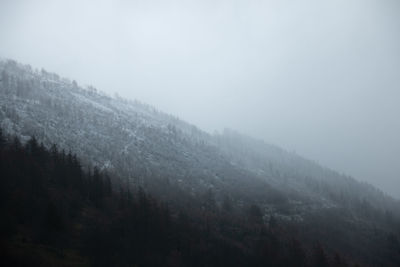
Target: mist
[[320, 78]]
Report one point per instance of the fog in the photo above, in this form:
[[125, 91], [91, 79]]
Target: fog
[[321, 78]]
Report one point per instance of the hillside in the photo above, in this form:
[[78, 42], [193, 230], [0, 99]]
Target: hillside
[[182, 165], [56, 214]]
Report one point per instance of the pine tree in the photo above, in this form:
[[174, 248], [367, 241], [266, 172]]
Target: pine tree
[[2, 139]]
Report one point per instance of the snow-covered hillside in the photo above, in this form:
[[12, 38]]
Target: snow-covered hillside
[[148, 148]]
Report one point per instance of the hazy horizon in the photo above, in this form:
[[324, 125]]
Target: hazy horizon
[[320, 79]]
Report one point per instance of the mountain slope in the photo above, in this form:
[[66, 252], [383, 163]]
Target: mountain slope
[[56, 214], [177, 162]]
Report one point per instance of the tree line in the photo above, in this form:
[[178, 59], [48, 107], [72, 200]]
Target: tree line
[[56, 212]]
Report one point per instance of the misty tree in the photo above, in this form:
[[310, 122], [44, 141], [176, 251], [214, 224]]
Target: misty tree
[[209, 202], [255, 214], [227, 204]]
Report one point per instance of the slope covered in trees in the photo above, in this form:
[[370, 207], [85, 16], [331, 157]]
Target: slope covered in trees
[[56, 214], [191, 170]]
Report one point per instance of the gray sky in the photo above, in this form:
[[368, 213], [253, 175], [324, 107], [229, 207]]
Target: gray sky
[[319, 77]]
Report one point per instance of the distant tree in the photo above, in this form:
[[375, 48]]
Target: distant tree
[[5, 81], [227, 204], [338, 261], [255, 214], [2, 139], [53, 220], [272, 222], [33, 147], [297, 256], [54, 151], [320, 257], [97, 191], [209, 202], [16, 144], [107, 185]]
